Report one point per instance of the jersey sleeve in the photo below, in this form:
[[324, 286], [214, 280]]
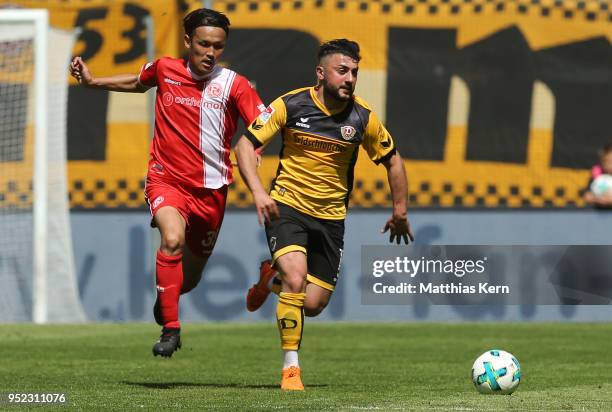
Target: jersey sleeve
[[377, 141], [270, 121], [148, 74], [247, 100]]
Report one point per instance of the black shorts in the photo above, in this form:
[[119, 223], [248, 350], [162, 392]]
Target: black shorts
[[321, 240]]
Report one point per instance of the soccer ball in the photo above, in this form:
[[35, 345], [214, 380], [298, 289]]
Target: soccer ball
[[497, 372], [601, 184]]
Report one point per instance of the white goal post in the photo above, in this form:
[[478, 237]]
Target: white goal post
[[36, 257]]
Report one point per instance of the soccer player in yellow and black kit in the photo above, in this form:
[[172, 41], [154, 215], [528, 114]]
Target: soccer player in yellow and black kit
[[322, 128]]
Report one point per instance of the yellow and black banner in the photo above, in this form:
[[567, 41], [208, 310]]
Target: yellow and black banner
[[108, 133], [492, 103]]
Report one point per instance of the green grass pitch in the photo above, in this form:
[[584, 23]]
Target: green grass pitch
[[346, 366]]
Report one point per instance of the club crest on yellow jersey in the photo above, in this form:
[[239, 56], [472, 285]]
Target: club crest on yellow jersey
[[347, 132]]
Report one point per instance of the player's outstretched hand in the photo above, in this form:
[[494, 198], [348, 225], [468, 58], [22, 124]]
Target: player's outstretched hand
[[80, 71], [398, 228], [267, 209]]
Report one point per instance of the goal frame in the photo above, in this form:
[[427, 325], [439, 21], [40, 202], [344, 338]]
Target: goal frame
[[40, 21]]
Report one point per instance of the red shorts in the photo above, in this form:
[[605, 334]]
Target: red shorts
[[202, 209]]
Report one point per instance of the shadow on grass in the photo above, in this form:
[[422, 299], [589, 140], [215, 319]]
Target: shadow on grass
[[173, 385]]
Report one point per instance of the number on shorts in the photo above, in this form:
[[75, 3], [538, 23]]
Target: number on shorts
[[209, 240]]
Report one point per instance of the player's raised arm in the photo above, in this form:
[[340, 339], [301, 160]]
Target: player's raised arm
[[398, 224], [247, 164], [119, 83]]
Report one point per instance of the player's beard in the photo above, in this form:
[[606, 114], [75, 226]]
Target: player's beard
[[334, 92]]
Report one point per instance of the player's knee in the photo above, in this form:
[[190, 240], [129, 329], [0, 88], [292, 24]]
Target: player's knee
[[294, 282], [314, 309], [172, 244]]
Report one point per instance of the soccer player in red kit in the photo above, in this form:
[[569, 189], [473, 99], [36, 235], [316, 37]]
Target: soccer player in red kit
[[196, 112]]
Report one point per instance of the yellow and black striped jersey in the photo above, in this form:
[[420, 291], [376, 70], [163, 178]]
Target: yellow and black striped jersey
[[319, 150]]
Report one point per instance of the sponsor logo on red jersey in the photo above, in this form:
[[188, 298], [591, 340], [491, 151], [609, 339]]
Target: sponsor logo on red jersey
[[169, 99]]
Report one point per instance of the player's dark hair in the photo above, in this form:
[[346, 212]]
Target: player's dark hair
[[205, 17], [343, 46], [607, 148]]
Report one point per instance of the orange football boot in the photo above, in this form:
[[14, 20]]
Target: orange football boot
[[291, 379], [257, 295]]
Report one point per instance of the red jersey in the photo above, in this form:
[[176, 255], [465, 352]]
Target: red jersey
[[195, 120]]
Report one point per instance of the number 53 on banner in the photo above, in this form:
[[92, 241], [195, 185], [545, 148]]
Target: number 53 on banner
[[113, 35]]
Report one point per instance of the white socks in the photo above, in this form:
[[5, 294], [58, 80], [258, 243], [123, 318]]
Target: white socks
[[291, 359]]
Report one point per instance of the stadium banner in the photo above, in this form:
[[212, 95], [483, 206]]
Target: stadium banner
[[486, 275], [492, 104], [108, 134], [115, 265], [499, 104]]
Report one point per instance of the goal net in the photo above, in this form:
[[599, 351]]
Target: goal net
[[37, 275]]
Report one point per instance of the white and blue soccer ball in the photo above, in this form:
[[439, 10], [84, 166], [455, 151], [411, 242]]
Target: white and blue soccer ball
[[601, 184], [496, 372]]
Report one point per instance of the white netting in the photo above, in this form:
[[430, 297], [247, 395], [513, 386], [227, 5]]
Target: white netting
[[17, 136], [16, 163]]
